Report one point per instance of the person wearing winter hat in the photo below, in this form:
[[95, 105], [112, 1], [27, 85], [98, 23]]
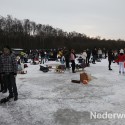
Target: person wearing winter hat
[[121, 51], [121, 59], [8, 70]]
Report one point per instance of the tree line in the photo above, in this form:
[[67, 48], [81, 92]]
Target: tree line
[[28, 34]]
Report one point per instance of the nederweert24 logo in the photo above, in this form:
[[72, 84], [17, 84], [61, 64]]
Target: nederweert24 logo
[[106, 115]]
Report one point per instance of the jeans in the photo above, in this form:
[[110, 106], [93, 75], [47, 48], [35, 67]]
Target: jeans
[[10, 81], [121, 67]]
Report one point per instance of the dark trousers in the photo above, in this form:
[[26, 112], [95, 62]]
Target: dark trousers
[[73, 65], [10, 81], [3, 84], [110, 61], [105, 56], [94, 58], [87, 60], [100, 56], [67, 63]]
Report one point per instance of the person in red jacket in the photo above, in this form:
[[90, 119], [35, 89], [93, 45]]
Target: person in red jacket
[[121, 59]]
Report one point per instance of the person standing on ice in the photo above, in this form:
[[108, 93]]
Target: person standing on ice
[[67, 57], [3, 87], [121, 60], [8, 70], [42, 55], [99, 53], [110, 58], [84, 56], [72, 59], [62, 60], [104, 53], [88, 56], [94, 54]]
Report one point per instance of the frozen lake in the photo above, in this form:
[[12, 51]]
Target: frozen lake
[[51, 99]]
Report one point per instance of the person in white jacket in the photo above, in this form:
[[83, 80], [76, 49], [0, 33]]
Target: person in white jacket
[[99, 53], [84, 55]]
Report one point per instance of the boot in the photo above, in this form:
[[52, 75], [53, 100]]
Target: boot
[[15, 98], [10, 96], [110, 69]]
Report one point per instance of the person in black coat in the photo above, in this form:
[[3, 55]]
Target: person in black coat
[[67, 57], [88, 56], [8, 70], [3, 88], [94, 54], [110, 58], [104, 52]]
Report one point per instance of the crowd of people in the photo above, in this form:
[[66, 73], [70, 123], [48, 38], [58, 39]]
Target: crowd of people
[[10, 63], [66, 55]]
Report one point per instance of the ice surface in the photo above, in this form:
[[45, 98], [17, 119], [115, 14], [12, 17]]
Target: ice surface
[[51, 99]]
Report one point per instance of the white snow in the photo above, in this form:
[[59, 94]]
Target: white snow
[[51, 99]]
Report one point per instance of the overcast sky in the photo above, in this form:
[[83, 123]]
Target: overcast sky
[[104, 18]]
